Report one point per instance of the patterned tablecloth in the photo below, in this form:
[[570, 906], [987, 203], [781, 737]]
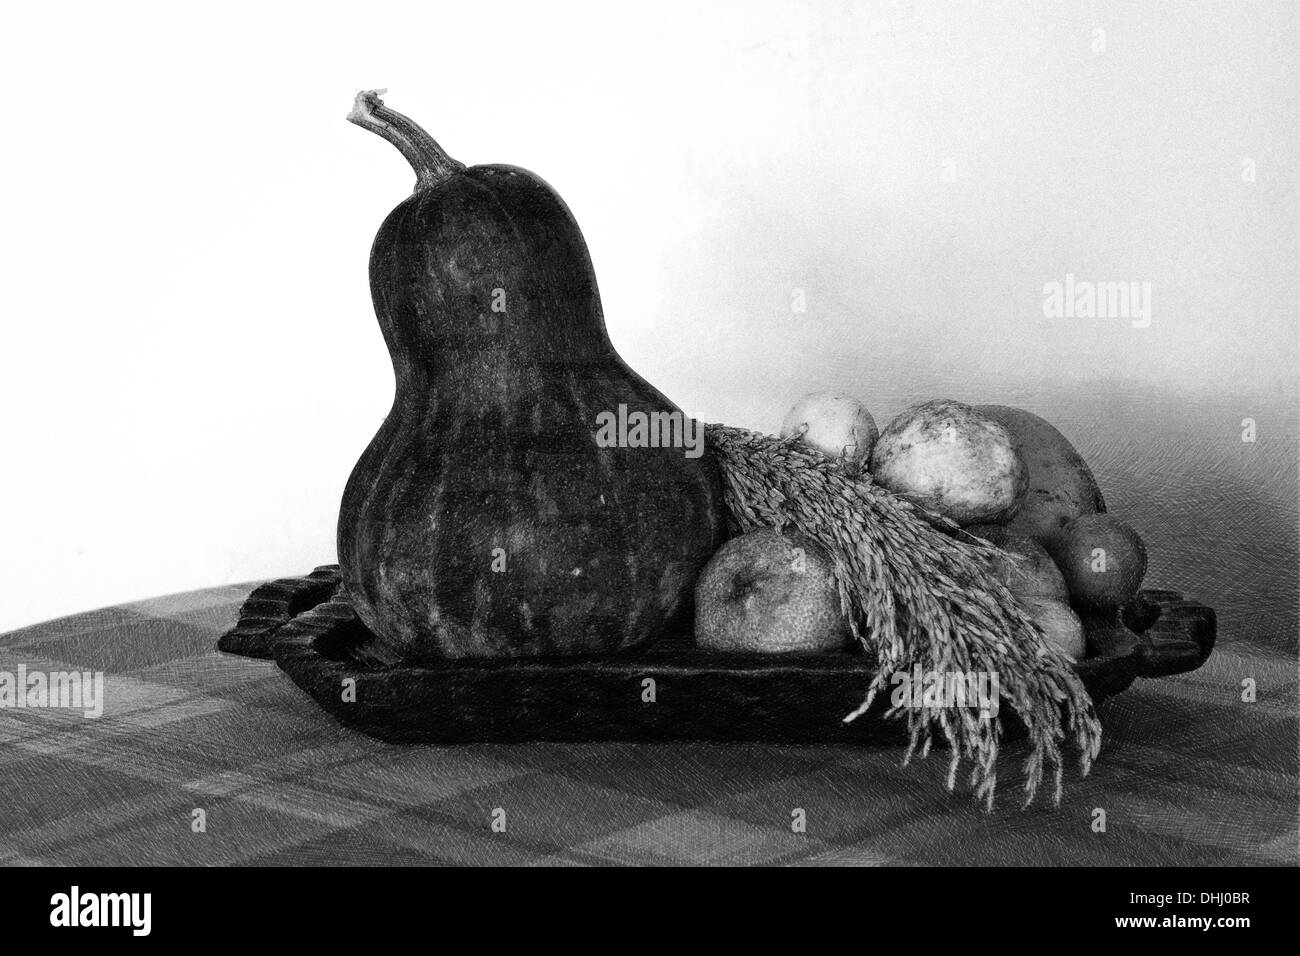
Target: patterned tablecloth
[[1189, 774]]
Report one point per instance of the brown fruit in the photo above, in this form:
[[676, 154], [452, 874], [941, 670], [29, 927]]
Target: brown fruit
[[769, 592], [1061, 486], [1027, 569], [1103, 561], [1061, 627]]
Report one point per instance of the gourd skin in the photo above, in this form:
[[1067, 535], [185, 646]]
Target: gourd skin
[[484, 519]]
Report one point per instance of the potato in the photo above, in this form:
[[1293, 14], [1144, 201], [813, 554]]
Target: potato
[[1027, 570], [1062, 628], [953, 460], [1103, 561], [837, 425], [1061, 486]]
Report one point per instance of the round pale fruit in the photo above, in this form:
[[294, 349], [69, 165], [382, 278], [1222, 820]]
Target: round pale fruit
[[834, 424], [1026, 569], [1061, 627], [953, 460], [1103, 561], [769, 592], [1061, 486]]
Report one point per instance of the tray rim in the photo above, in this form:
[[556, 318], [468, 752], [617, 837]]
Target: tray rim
[[285, 618]]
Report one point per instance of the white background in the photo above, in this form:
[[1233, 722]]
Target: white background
[[190, 363]]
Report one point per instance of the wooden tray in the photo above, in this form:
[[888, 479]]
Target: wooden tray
[[308, 627]]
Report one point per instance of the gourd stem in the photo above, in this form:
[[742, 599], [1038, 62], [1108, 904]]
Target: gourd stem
[[431, 163]]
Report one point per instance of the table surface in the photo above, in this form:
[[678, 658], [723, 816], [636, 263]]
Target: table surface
[[1189, 774]]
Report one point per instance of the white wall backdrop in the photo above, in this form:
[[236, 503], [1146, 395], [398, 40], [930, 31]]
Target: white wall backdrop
[[190, 363]]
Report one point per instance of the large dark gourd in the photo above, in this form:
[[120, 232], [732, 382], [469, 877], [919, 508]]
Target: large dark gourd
[[485, 518]]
